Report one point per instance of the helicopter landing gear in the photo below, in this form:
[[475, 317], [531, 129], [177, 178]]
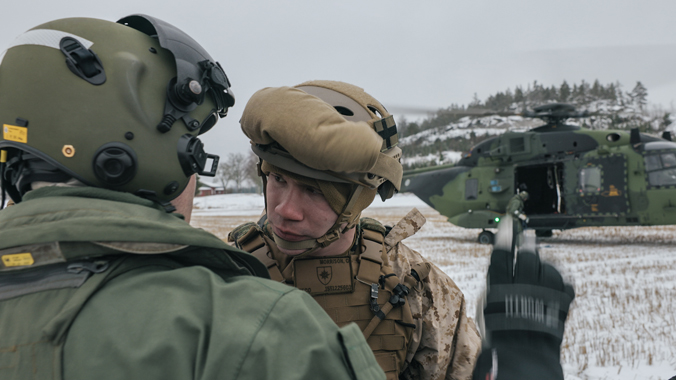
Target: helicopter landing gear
[[543, 233], [486, 237]]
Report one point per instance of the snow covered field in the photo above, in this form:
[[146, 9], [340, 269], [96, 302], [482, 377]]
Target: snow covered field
[[623, 322]]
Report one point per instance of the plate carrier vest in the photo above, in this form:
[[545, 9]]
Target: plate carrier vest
[[372, 296]]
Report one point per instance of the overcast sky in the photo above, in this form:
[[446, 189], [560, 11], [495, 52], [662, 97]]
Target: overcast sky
[[425, 54]]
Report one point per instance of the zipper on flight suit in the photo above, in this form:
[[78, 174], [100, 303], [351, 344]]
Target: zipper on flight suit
[[48, 277]]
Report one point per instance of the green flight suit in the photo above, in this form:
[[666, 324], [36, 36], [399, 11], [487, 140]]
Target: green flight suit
[[515, 210], [102, 284], [515, 206]]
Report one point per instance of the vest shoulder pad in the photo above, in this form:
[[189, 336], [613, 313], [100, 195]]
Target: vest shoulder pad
[[242, 234], [372, 225], [406, 227]]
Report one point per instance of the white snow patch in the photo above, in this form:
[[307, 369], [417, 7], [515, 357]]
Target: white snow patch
[[253, 204], [229, 205], [621, 325]]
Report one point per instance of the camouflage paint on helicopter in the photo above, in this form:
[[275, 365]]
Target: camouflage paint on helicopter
[[575, 177]]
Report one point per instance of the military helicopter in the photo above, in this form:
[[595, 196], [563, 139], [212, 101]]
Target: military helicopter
[[575, 177]]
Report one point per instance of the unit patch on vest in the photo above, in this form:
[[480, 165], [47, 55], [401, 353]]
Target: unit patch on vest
[[324, 275]]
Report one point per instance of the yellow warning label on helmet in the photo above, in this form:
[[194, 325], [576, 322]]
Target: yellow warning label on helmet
[[15, 133], [18, 260]]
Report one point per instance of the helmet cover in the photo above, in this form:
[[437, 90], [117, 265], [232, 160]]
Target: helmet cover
[[326, 130], [332, 135]]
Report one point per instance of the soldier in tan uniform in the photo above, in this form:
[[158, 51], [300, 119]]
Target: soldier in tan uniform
[[326, 150]]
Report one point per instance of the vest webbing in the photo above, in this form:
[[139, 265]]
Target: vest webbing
[[386, 327], [254, 243]]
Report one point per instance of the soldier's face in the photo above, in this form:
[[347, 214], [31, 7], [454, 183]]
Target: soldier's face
[[297, 211]]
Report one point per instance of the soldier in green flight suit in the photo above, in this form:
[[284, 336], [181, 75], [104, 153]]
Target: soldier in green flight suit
[[516, 204], [515, 210], [99, 277]]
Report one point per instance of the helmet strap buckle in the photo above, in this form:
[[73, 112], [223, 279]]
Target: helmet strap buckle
[[330, 237]]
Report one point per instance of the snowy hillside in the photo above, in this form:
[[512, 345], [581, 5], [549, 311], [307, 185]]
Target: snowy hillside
[[442, 138]]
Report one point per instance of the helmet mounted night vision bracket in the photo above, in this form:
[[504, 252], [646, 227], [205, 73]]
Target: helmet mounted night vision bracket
[[193, 158], [197, 74]]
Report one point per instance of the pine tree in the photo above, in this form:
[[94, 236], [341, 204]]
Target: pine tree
[[596, 89], [584, 93], [575, 93], [475, 102], [639, 95], [518, 94], [535, 95], [619, 94], [611, 93], [564, 92]]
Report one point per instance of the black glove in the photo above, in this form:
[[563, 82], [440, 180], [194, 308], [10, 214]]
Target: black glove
[[524, 314]]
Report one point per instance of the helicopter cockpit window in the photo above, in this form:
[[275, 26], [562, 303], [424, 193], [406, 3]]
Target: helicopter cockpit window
[[668, 160], [613, 137], [590, 180], [471, 189], [661, 169], [652, 162], [662, 177]]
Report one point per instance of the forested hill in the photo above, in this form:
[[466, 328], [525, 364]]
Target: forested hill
[[443, 137]]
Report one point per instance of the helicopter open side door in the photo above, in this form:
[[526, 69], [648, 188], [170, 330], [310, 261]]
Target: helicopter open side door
[[544, 183], [596, 187]]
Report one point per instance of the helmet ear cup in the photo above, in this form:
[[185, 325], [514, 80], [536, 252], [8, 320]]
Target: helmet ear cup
[[115, 164]]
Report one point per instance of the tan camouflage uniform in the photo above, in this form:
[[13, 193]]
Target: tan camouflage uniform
[[445, 343]]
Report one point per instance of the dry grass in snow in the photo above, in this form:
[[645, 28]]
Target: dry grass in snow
[[623, 322]]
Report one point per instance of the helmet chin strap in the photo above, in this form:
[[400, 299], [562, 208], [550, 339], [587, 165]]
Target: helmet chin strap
[[332, 235]]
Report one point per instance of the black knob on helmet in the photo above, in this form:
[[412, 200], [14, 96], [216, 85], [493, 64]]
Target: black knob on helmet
[[115, 164]]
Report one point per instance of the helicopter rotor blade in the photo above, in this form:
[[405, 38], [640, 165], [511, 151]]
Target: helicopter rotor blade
[[551, 112], [474, 112], [415, 110], [479, 112]]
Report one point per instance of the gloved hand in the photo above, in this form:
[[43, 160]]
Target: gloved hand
[[525, 312]]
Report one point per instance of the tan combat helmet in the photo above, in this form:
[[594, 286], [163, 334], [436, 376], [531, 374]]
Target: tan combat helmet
[[332, 132]]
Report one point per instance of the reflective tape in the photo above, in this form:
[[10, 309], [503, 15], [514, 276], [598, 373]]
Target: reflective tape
[[44, 37]]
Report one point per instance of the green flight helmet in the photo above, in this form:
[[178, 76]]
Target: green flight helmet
[[112, 105], [523, 195]]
